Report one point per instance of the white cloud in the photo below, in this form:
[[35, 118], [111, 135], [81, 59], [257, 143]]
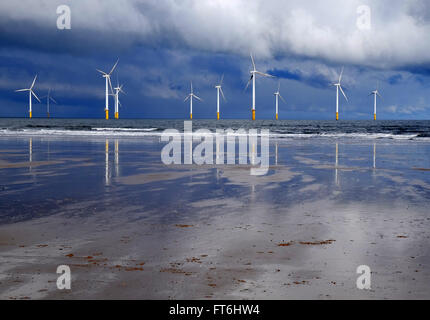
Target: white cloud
[[405, 109], [324, 29]]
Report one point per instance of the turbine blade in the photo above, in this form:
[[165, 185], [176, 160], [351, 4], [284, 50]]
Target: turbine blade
[[191, 84], [22, 90], [102, 72], [53, 100], [110, 84], [265, 74], [249, 81], [34, 95], [282, 98], [341, 73], [222, 78], [253, 63], [187, 97], [343, 93], [379, 95], [114, 66], [222, 93], [32, 85], [197, 97], [279, 85]]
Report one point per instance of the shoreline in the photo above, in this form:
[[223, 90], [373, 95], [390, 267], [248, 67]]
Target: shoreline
[[130, 227]]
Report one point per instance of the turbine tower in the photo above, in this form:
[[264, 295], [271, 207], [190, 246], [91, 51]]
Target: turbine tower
[[117, 89], [339, 87], [48, 100], [253, 74], [218, 90], [375, 93], [277, 96], [108, 83], [190, 96], [30, 93]]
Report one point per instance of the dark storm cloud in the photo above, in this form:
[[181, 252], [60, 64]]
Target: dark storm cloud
[[314, 80], [164, 44]]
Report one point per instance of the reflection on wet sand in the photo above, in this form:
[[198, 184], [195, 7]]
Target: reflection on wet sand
[[336, 173], [219, 154], [253, 153], [116, 158], [107, 170], [374, 155], [30, 152]]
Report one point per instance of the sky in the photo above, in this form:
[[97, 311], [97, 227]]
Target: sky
[[162, 45]]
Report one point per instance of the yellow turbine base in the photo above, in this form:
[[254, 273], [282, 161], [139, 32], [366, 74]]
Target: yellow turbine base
[[107, 114], [253, 114], [337, 116], [276, 116], [374, 116], [30, 114], [48, 114], [217, 115], [116, 115], [191, 116]]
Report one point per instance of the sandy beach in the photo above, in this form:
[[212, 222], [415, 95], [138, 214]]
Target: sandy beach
[[131, 227]]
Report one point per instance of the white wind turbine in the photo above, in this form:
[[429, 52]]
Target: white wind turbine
[[190, 96], [253, 75], [117, 89], [30, 93], [277, 96], [108, 83], [339, 87], [375, 93], [218, 90], [48, 100]]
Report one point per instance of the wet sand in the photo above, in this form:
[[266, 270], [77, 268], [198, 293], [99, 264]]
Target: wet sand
[[130, 227]]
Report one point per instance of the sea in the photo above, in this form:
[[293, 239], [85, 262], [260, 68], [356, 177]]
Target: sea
[[418, 130]]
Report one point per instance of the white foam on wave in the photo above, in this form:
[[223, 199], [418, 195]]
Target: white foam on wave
[[347, 135], [126, 129], [135, 132]]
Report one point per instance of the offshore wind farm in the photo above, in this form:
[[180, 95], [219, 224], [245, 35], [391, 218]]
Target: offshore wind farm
[[109, 91], [215, 150]]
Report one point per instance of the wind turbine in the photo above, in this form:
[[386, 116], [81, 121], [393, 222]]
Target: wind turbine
[[375, 93], [253, 75], [190, 96], [218, 90], [277, 96], [48, 99], [108, 82], [117, 89], [30, 93], [338, 86]]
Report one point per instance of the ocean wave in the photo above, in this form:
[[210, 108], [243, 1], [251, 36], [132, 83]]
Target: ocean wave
[[156, 132], [126, 129]]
